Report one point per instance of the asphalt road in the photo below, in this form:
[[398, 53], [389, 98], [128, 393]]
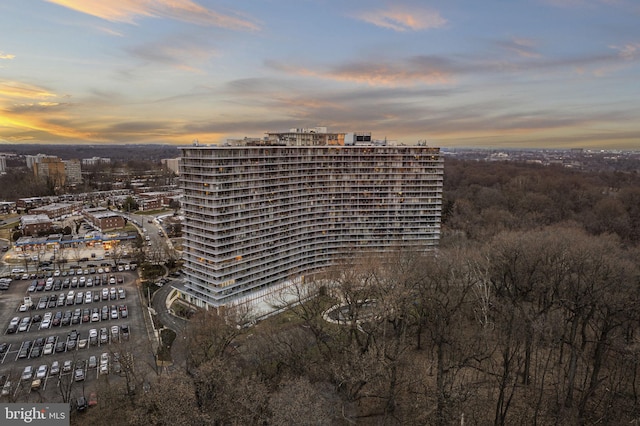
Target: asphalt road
[[177, 324]]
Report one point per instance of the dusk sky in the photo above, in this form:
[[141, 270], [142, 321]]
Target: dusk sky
[[456, 73]]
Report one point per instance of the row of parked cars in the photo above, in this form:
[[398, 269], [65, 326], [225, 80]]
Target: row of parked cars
[[80, 370], [77, 316], [74, 340], [56, 284], [5, 282], [72, 298], [90, 270]]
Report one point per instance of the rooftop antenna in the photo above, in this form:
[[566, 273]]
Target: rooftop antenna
[[196, 143]]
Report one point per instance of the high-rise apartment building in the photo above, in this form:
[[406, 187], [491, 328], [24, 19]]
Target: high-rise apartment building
[[52, 169], [73, 171], [264, 213]]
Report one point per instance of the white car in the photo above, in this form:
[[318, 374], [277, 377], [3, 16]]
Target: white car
[[55, 368], [42, 371], [27, 373], [48, 349], [23, 308], [46, 323], [24, 324]]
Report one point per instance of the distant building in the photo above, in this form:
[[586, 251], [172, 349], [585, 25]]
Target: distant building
[[33, 224], [95, 160], [51, 169], [3, 164], [31, 202], [73, 171], [32, 160], [104, 219], [163, 196], [146, 204], [7, 207], [57, 210], [264, 215], [172, 164]]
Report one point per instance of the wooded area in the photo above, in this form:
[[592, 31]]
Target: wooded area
[[527, 314]]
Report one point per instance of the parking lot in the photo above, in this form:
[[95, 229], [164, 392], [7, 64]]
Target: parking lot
[[62, 334]]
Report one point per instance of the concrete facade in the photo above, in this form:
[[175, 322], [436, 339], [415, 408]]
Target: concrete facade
[[260, 216]]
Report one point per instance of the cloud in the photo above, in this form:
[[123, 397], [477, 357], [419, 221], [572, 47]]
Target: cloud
[[35, 126], [128, 11], [6, 55], [179, 52], [522, 47], [430, 70], [402, 19], [109, 31], [36, 107], [14, 89], [629, 51]]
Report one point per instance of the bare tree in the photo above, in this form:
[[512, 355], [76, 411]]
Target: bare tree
[[211, 332]]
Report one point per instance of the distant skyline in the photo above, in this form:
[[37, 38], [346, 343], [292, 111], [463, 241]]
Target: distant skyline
[[466, 73]]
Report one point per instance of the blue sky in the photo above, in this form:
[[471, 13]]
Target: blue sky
[[491, 73]]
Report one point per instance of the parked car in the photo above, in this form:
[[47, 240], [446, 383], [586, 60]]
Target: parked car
[[93, 336], [93, 361], [55, 368], [81, 402], [125, 331], [104, 335], [41, 373], [78, 375], [6, 389], [27, 373], [24, 324]]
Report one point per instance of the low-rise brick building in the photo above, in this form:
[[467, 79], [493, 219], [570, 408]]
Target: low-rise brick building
[[33, 224], [104, 219], [57, 210]]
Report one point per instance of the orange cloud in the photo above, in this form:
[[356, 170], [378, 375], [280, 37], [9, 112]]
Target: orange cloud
[[401, 19], [13, 89], [183, 10], [30, 123]]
